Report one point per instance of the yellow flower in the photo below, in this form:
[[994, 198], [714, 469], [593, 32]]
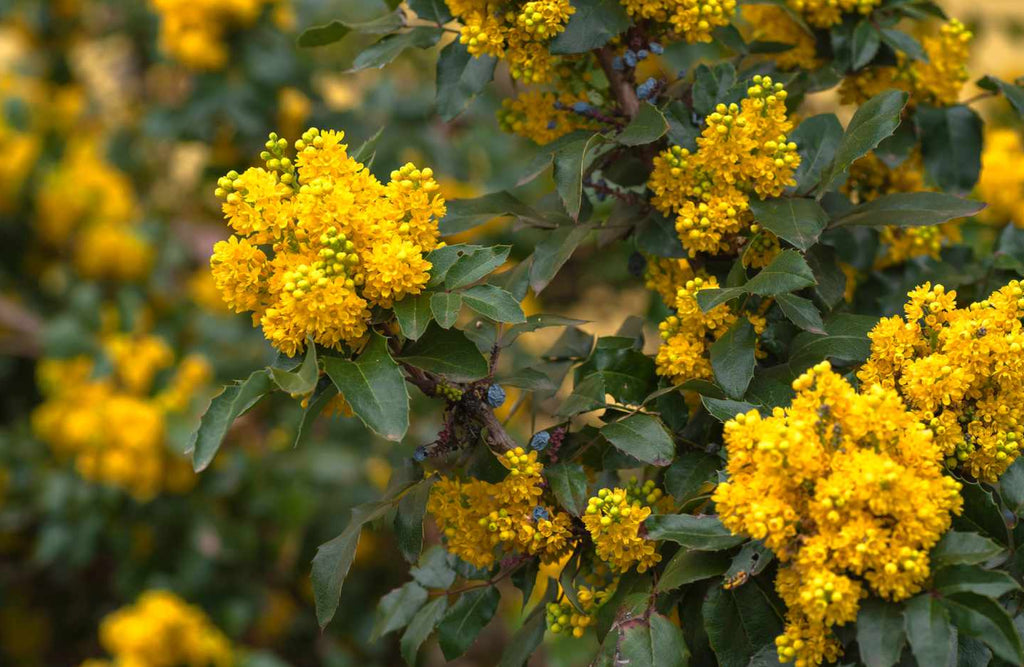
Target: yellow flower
[[771, 23], [847, 490], [691, 21], [195, 32], [1001, 184]]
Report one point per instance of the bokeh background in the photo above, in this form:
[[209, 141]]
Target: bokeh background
[[116, 119]]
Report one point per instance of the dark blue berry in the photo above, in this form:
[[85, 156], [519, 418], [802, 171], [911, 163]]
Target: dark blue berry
[[552, 124], [541, 513], [617, 64], [642, 54], [656, 48], [581, 107], [495, 396], [630, 59], [420, 454], [540, 440]]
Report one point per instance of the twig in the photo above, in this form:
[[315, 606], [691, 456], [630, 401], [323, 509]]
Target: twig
[[621, 88]]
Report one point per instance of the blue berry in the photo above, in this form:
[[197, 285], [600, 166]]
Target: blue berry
[[420, 454], [541, 513], [495, 396], [581, 107], [617, 64], [540, 440], [630, 58], [552, 124], [642, 54], [656, 48]]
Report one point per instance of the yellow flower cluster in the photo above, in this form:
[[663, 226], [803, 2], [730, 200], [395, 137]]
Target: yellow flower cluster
[[614, 518], [1001, 184], [515, 31], [88, 206], [847, 490], [871, 178], [563, 617], [114, 428], [771, 23], [664, 275], [195, 32], [743, 151], [687, 335], [340, 241], [827, 13], [477, 517], [960, 370], [162, 630], [690, 20], [937, 82], [543, 116]]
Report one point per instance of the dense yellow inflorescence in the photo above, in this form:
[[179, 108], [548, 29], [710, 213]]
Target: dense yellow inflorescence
[[479, 518], [543, 117], [960, 370], [771, 23], [564, 618], [827, 13], [1001, 184], [195, 32], [742, 152], [687, 334], [871, 178], [162, 630], [614, 518], [847, 489], [689, 20], [664, 275], [340, 241], [86, 206], [515, 31], [114, 427], [937, 82]]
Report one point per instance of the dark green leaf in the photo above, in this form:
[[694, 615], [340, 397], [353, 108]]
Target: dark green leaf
[[312, 411], [569, 484], [413, 315], [591, 26], [788, 272], [752, 559], [691, 474], [475, 265], [329, 33], [951, 146], [445, 306], [845, 339], [554, 251], [865, 43], [739, 623], [927, 622], [530, 379], [732, 358], [981, 513], [723, 410], [390, 47], [880, 634], [1011, 487], [463, 214], [700, 533], [494, 303], [817, 139], [397, 608], [1014, 93], [232, 402], [711, 86], [447, 352], [973, 579], [409, 521], [909, 209], [960, 548], [901, 41], [985, 619], [570, 162], [643, 437], [375, 388], [527, 638], [656, 642], [801, 312], [420, 627], [824, 264], [434, 569], [464, 621], [798, 221], [460, 77], [587, 395], [303, 379], [687, 567], [431, 10], [873, 121], [647, 126]]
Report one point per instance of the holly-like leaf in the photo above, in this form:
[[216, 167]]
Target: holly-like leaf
[[397, 608], [801, 312], [654, 642], [569, 484], [592, 25], [880, 633], [420, 627], [391, 46], [447, 352], [647, 126], [985, 619], [873, 121], [700, 533], [466, 618], [553, 252], [687, 567], [570, 162], [909, 209], [973, 579], [232, 402], [951, 146], [723, 409], [799, 221], [816, 139], [643, 437], [494, 303], [445, 307], [460, 77], [732, 358], [788, 272], [962, 548], [739, 623], [413, 314], [928, 630], [475, 265], [375, 388]]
